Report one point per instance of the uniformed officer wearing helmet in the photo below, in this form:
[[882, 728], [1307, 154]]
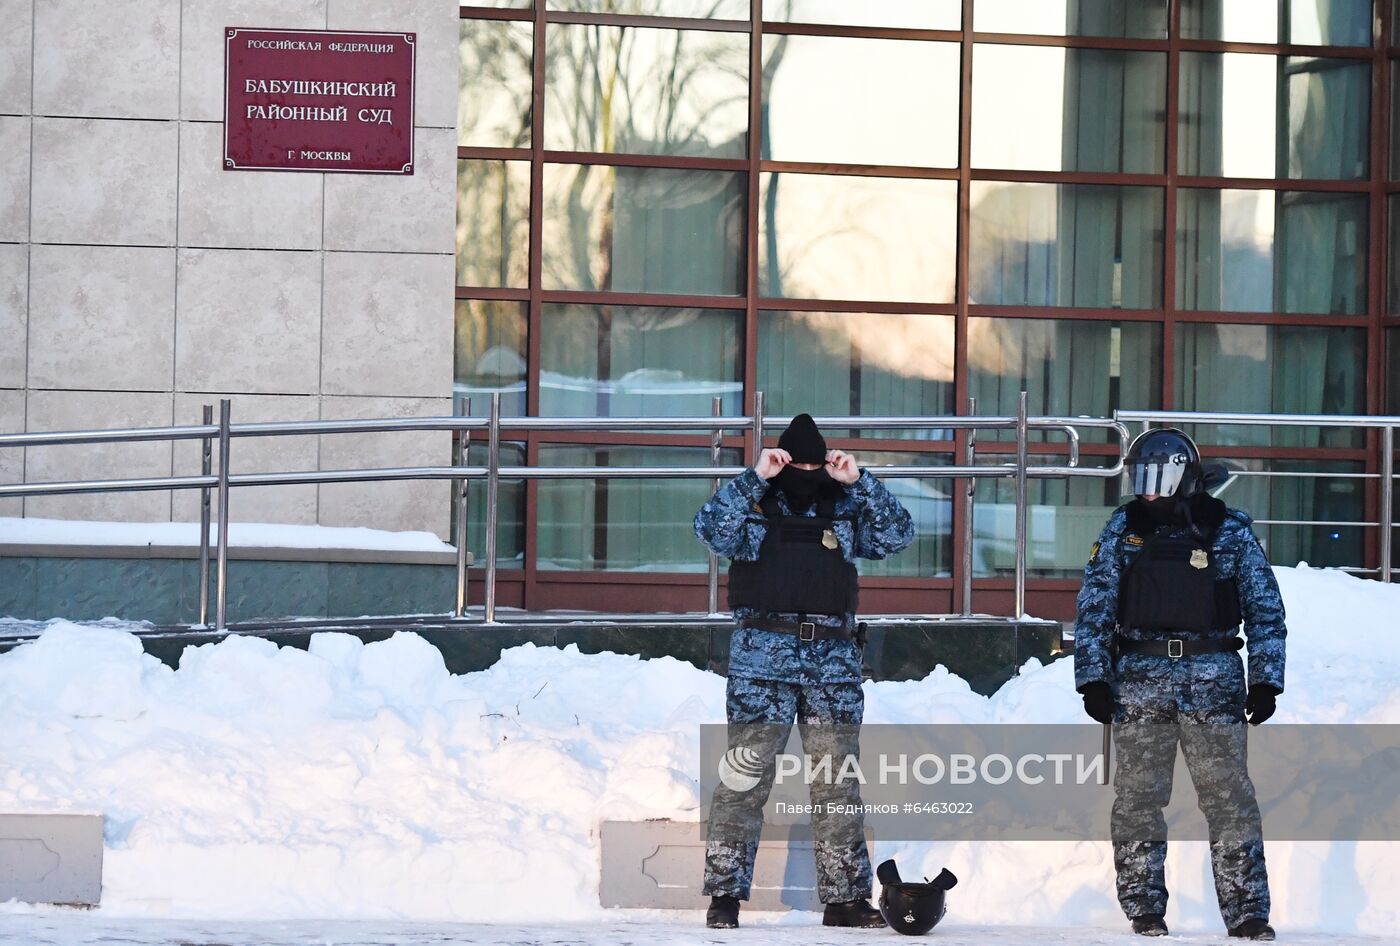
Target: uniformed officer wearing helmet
[[792, 526], [1173, 575]]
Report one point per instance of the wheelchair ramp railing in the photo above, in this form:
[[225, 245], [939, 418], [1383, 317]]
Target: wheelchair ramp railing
[[217, 485]]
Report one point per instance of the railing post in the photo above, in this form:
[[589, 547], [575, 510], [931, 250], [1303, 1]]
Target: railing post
[[462, 408], [493, 491], [969, 453], [221, 588], [757, 428], [206, 466], [1022, 457], [716, 442], [1387, 496]]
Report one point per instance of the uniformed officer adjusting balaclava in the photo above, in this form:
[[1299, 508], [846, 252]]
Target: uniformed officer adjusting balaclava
[[805, 443]]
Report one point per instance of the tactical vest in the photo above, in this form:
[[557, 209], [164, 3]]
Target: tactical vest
[[1173, 585], [800, 568]]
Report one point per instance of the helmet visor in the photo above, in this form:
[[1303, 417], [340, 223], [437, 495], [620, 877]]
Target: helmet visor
[[1156, 474]]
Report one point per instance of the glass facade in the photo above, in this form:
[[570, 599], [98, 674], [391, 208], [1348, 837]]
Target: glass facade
[[879, 208]]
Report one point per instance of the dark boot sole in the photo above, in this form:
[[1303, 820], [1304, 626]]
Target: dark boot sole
[[854, 926]]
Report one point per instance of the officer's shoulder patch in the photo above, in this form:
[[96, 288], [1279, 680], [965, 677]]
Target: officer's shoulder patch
[[1094, 553]]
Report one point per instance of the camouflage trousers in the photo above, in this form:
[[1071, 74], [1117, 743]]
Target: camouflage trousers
[[760, 714], [1198, 704]]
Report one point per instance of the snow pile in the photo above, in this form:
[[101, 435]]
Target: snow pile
[[32, 531], [362, 780]]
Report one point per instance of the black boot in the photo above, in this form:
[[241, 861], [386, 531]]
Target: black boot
[[723, 913], [1253, 928], [1150, 924], [852, 913]]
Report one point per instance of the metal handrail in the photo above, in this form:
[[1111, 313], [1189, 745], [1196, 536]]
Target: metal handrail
[[218, 481]]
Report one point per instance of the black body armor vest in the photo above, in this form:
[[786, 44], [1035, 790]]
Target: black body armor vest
[[800, 568], [1173, 585]]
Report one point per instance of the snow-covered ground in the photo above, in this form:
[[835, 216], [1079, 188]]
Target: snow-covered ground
[[257, 789], [682, 929]]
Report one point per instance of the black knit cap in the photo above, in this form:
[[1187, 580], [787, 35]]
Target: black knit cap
[[803, 440]]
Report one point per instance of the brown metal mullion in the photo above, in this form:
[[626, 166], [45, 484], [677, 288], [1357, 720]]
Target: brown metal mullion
[[533, 316], [495, 13], [1127, 43], [645, 21], [474, 152], [855, 305], [1269, 49], [1278, 184], [621, 438], [601, 438], [496, 293], [861, 170], [751, 235], [1022, 176], [1169, 262], [1376, 256], [989, 447], [667, 300], [962, 522], [856, 32], [1075, 313], [678, 162], [1273, 318]]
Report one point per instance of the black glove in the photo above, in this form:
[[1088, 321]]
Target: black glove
[[1098, 701], [1259, 705]]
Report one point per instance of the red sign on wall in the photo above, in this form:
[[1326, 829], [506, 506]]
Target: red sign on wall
[[318, 100]]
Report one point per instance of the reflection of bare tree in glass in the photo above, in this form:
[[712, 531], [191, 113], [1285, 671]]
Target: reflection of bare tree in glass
[[642, 91], [494, 111], [493, 103]]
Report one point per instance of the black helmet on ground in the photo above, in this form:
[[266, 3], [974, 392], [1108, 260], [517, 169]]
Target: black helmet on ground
[[913, 909]]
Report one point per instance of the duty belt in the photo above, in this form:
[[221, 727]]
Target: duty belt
[[1179, 647], [802, 630]]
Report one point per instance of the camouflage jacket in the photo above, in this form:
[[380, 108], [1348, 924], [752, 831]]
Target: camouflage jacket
[[732, 526], [1235, 552]]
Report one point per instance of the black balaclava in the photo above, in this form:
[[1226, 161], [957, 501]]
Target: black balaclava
[[805, 444], [1164, 509]]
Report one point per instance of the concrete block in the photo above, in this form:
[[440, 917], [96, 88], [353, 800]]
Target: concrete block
[[104, 182], [88, 410], [288, 504], [16, 50], [202, 40], [14, 180], [14, 315], [102, 317], [51, 858], [421, 505], [387, 327], [403, 214], [249, 320], [264, 209], [124, 63], [660, 865], [11, 458]]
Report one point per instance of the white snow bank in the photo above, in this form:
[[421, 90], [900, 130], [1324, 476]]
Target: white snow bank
[[30, 531], [361, 781]]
